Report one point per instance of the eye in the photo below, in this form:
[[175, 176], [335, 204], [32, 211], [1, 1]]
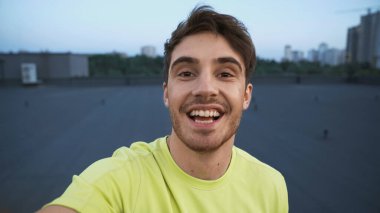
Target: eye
[[225, 75], [186, 74]]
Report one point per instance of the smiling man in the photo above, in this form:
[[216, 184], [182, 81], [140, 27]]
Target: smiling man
[[205, 92], [197, 168]]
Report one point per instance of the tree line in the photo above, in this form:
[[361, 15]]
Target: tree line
[[117, 65]]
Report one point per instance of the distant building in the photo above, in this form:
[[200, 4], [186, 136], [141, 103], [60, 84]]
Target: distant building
[[47, 65], [352, 45], [325, 55], [363, 41], [312, 55], [322, 53], [288, 53], [333, 56], [297, 56], [148, 51], [292, 55]]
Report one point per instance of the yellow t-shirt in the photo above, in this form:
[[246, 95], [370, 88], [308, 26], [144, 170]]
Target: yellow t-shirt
[[145, 178]]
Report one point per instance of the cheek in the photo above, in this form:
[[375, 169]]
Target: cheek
[[174, 96], [238, 98], [236, 93]]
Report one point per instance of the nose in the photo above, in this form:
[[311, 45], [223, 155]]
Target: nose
[[205, 85]]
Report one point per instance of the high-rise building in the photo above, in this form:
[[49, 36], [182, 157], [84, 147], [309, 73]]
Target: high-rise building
[[352, 45], [297, 56], [333, 56], [312, 55], [292, 55], [288, 53], [363, 41], [322, 53]]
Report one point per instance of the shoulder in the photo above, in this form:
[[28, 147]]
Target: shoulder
[[109, 182], [257, 167], [125, 162], [262, 180], [137, 150]]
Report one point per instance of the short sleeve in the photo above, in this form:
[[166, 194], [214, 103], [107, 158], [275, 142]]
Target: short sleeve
[[83, 197], [107, 185], [284, 196]]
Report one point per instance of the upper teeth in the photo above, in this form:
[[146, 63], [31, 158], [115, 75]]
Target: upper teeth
[[205, 113]]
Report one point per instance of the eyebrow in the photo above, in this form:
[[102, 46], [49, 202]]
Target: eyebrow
[[224, 60], [191, 60], [185, 59]]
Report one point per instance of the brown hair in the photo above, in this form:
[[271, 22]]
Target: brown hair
[[205, 19]]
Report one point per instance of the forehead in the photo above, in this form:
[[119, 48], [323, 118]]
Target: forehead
[[205, 47]]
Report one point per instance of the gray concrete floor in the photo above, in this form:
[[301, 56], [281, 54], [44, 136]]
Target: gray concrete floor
[[47, 134]]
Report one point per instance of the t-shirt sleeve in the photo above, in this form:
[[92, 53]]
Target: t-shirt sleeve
[[83, 197], [105, 186], [284, 203]]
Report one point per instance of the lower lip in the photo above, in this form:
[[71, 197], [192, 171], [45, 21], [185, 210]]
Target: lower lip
[[205, 125]]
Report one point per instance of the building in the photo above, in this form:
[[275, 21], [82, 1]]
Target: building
[[326, 56], [312, 55], [287, 53], [297, 56], [333, 57], [352, 45], [47, 65], [148, 51], [292, 55], [363, 41], [322, 53]]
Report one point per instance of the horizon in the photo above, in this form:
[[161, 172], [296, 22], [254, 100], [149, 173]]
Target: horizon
[[40, 26]]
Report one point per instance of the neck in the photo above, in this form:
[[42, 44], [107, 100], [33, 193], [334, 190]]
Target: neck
[[203, 165]]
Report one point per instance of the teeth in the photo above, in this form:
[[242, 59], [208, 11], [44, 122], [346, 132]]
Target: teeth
[[205, 113], [204, 121]]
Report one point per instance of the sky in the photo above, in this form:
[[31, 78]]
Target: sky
[[95, 26]]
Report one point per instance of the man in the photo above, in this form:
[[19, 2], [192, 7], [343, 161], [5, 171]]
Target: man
[[208, 61]]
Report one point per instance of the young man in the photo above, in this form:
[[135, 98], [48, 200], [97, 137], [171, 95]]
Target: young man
[[197, 168]]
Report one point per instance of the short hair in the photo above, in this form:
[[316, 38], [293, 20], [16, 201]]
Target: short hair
[[205, 19]]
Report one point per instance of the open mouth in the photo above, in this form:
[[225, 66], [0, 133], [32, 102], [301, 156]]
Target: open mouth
[[204, 116]]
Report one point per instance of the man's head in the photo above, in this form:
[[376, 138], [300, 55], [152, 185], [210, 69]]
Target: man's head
[[208, 61], [204, 19]]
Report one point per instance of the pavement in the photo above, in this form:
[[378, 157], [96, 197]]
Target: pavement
[[324, 138]]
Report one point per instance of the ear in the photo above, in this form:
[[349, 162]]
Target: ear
[[247, 96], [165, 97]]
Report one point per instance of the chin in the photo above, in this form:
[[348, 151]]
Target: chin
[[204, 143]]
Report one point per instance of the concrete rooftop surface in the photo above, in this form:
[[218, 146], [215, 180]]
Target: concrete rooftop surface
[[324, 138]]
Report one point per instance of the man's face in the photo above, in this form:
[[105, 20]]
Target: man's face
[[206, 91]]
